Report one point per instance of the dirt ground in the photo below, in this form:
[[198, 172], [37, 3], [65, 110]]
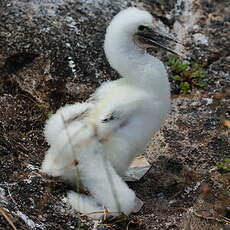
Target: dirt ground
[[51, 54]]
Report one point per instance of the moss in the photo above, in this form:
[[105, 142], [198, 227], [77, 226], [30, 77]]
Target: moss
[[224, 167], [186, 76]]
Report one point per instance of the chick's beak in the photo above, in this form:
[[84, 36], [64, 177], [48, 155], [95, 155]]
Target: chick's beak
[[152, 36]]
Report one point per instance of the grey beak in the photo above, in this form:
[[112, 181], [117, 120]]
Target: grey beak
[[154, 37]]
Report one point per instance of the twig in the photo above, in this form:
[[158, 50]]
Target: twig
[[34, 131], [121, 219], [74, 157], [224, 219], [89, 213], [218, 219], [7, 219], [97, 212], [15, 203], [105, 213], [31, 100], [109, 176], [73, 152]]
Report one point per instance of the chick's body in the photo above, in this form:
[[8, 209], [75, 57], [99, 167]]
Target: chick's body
[[100, 138], [132, 122]]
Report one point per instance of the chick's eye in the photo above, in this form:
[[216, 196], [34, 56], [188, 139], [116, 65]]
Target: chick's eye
[[141, 28]]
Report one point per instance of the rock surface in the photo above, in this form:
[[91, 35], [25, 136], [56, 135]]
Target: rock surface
[[51, 53]]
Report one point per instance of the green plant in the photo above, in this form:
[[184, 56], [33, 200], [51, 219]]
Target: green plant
[[186, 76], [224, 167]]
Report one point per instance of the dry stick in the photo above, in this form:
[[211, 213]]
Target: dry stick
[[112, 185], [224, 219], [73, 152], [98, 212], [74, 157], [7, 219], [109, 176], [86, 213]]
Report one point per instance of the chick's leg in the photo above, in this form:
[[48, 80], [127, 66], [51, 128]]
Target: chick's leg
[[85, 205], [105, 185]]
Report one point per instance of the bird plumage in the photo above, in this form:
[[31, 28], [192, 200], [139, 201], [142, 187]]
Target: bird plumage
[[104, 134]]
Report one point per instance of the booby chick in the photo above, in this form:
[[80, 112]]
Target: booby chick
[[96, 141]]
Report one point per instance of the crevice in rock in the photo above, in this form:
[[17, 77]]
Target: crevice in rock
[[17, 61]]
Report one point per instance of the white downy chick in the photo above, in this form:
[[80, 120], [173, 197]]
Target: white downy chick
[[97, 140]]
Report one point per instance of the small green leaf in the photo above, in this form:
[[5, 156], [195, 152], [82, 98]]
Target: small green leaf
[[200, 84], [198, 74], [196, 67], [176, 78], [183, 67], [172, 60], [184, 87]]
